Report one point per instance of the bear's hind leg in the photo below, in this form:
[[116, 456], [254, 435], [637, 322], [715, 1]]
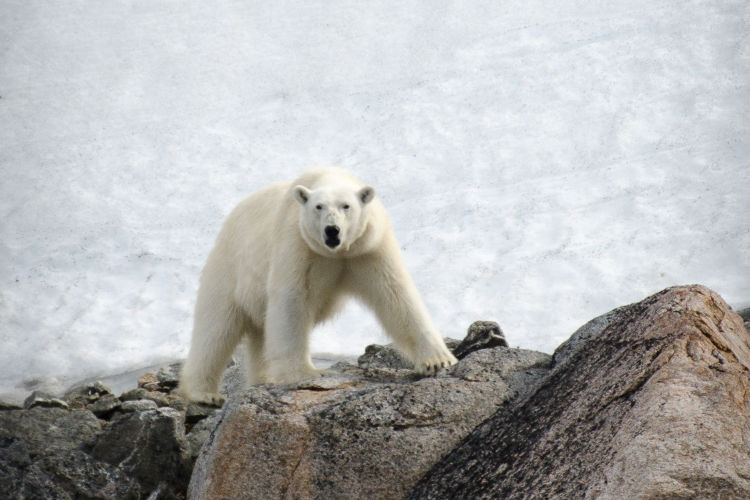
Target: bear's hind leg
[[215, 335]]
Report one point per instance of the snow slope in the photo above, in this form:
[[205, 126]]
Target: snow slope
[[543, 162]]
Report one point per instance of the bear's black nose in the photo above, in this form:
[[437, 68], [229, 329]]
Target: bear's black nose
[[332, 231]]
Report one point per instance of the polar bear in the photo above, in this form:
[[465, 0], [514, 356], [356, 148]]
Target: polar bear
[[285, 260]]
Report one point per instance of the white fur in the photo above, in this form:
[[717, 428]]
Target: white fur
[[271, 278]]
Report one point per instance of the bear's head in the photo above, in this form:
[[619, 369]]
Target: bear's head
[[333, 218]]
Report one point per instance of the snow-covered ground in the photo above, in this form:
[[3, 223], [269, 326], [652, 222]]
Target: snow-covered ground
[[543, 162]]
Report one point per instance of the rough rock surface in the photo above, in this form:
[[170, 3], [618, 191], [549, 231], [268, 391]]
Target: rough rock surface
[[91, 444], [358, 433], [652, 402]]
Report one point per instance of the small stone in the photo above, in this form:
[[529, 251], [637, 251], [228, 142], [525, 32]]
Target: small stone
[[382, 356], [481, 335], [82, 396], [197, 412], [159, 398], [134, 394], [38, 398], [149, 381], [169, 376], [138, 405], [105, 405]]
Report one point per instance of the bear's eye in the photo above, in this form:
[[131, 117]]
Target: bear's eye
[[318, 207], [345, 207]]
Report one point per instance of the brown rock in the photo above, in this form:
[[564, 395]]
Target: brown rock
[[654, 404], [357, 433], [149, 381]]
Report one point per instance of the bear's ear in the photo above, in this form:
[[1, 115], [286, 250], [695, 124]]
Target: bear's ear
[[366, 194], [301, 194]]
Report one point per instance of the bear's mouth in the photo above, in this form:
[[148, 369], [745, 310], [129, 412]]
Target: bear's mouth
[[333, 242]]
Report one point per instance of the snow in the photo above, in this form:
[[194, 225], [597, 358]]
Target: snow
[[543, 162]]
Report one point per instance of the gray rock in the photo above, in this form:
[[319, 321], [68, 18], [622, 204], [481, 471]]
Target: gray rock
[[169, 376], [148, 446], [137, 405], [105, 405], [340, 435], [48, 430], [82, 396], [591, 330], [140, 393], [4, 406], [38, 398], [383, 356], [481, 335], [196, 412], [652, 401], [200, 432]]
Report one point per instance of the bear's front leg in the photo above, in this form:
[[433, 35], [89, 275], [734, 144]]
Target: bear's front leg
[[382, 282], [287, 339]]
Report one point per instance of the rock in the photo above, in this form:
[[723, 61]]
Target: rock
[[200, 432], [197, 412], [169, 376], [5, 406], [105, 405], [38, 398], [48, 452], [745, 315], [383, 356], [481, 335], [137, 405], [50, 429], [148, 446], [357, 433], [82, 396], [149, 381], [140, 393], [590, 330], [653, 403]]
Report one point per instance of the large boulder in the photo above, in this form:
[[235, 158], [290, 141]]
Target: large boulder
[[651, 401], [367, 431]]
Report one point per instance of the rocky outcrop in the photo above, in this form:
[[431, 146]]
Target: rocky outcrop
[[367, 431], [649, 401], [92, 444]]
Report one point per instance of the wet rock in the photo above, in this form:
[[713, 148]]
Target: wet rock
[[649, 401]]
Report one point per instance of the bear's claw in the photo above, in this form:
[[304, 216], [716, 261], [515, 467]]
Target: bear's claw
[[432, 366]]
